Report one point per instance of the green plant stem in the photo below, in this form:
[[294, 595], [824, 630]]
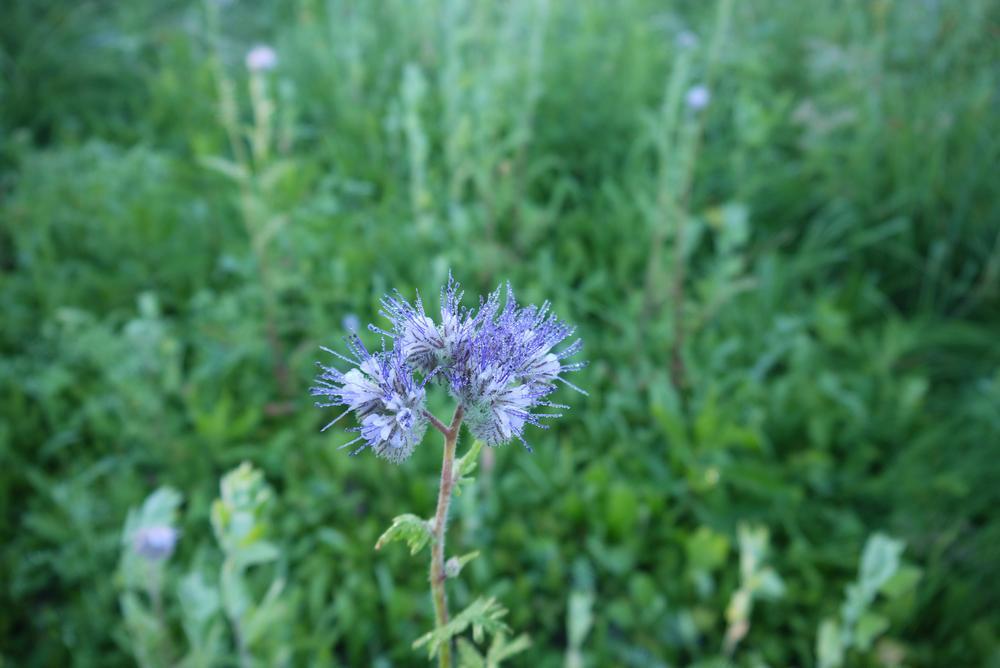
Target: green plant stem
[[437, 573], [245, 660]]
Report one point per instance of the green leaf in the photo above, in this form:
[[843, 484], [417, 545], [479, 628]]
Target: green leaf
[[199, 600], [468, 655], [768, 584], [579, 617], [483, 615], [225, 167], [869, 627], [260, 552], [829, 647], [501, 649], [879, 561], [454, 566], [903, 582], [410, 528], [706, 549], [465, 465], [266, 615]]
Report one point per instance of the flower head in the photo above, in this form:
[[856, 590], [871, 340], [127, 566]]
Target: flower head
[[155, 543], [261, 58], [427, 345], [698, 97], [383, 394], [511, 368], [498, 361]]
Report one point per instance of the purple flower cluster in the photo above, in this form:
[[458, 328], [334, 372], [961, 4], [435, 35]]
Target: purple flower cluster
[[498, 361]]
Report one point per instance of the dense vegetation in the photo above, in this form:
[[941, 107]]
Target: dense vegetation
[[819, 358]]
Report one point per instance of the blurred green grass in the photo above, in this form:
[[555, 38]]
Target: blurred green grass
[[843, 262]]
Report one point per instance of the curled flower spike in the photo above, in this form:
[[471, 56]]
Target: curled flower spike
[[384, 396]]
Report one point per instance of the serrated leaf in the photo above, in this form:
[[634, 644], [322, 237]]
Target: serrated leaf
[[410, 528], [468, 655], [501, 649], [482, 615]]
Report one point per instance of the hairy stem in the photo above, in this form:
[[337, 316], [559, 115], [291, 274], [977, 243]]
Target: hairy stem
[[437, 574]]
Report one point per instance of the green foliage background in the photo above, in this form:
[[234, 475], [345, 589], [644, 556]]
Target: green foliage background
[[842, 311]]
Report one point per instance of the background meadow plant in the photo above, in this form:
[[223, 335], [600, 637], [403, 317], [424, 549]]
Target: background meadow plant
[[829, 207]]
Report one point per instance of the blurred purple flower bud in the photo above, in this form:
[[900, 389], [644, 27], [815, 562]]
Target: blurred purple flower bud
[[155, 543], [687, 40], [261, 58], [697, 97]]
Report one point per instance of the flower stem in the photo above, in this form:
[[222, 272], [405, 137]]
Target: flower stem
[[437, 574]]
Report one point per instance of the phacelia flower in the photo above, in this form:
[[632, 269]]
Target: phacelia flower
[[382, 392], [511, 368], [424, 343], [698, 97], [155, 543], [687, 40], [498, 361], [261, 58]]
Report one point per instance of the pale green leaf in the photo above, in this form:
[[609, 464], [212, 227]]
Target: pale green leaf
[[466, 465], [879, 561], [903, 582], [829, 646], [482, 615], [468, 655], [869, 627], [225, 167], [769, 584], [502, 649], [410, 528], [454, 566]]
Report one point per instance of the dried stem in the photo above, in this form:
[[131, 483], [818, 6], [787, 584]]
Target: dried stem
[[437, 573]]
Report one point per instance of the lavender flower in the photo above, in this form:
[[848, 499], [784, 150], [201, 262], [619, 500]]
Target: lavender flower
[[155, 543], [261, 58], [698, 97], [511, 368], [424, 343], [498, 361], [687, 40], [383, 394]]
